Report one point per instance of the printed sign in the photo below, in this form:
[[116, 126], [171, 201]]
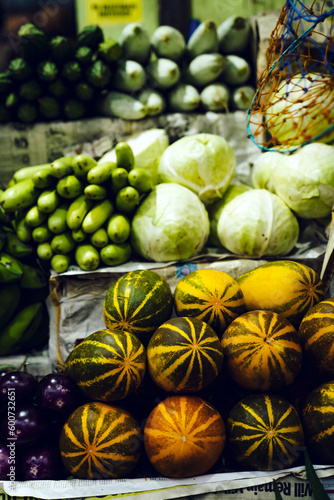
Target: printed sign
[[104, 12]]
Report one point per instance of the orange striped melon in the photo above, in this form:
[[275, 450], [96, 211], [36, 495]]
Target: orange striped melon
[[184, 355], [264, 432], [99, 441], [184, 436], [284, 286], [211, 296], [138, 302], [262, 351], [318, 422], [316, 333], [108, 365]]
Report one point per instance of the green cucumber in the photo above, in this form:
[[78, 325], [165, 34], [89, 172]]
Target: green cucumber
[[204, 69], [135, 43], [203, 40], [184, 97], [121, 105], [129, 76], [168, 42]]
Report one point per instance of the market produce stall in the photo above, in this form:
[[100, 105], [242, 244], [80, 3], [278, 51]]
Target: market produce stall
[[173, 282]]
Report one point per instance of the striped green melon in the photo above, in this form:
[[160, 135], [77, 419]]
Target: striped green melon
[[262, 351], [184, 436], [283, 286], [211, 296], [108, 365], [138, 302], [264, 432], [99, 441], [184, 355], [318, 422], [316, 333]]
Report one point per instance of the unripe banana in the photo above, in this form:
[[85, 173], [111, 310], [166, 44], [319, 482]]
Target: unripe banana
[[10, 268], [77, 211], [48, 201], [82, 164], [118, 228], [124, 156], [87, 257], [62, 166], [32, 278], [95, 191], [70, 187], [119, 179], [43, 178], [25, 322], [140, 179], [44, 251], [16, 247], [10, 296], [127, 200], [41, 234], [63, 243], [20, 195], [100, 238], [34, 217], [28, 172], [97, 216], [115, 254], [57, 220], [60, 263], [101, 172]]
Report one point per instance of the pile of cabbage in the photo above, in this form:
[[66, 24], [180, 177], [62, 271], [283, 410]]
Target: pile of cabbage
[[196, 203]]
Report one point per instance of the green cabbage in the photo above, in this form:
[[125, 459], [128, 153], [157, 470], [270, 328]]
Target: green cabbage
[[171, 223], [215, 210], [204, 163], [257, 223], [305, 180]]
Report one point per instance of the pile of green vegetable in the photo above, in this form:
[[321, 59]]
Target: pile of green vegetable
[[76, 210], [135, 76], [24, 319]]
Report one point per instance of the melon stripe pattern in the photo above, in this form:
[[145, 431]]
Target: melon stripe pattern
[[211, 296], [262, 350], [184, 436], [316, 333], [318, 421], [138, 302], [286, 287], [107, 365], [99, 441], [264, 432], [184, 355]]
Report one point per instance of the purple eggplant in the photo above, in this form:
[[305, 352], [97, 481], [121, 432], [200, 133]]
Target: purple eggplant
[[7, 462], [41, 462], [24, 426], [57, 395], [19, 385]]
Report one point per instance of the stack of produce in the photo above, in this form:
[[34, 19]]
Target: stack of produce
[[235, 379], [174, 202], [24, 319], [130, 78], [76, 210]]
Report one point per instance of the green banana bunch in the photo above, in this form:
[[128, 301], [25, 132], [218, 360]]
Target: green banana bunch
[[23, 290], [75, 210], [20, 328]]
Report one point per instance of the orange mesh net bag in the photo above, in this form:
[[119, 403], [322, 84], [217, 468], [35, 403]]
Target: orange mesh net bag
[[294, 99]]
